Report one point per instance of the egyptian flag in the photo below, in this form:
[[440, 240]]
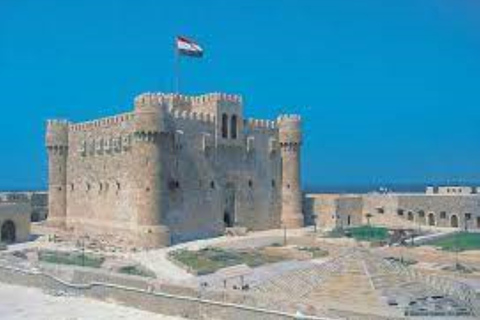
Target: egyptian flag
[[188, 47]]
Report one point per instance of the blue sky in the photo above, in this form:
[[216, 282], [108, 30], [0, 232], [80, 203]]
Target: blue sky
[[389, 90]]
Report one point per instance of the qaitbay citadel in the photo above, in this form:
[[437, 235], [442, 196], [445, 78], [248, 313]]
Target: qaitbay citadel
[[179, 168], [184, 207], [174, 169]]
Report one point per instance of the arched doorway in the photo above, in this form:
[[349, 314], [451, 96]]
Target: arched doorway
[[431, 219], [454, 221], [8, 232], [421, 216], [410, 215]]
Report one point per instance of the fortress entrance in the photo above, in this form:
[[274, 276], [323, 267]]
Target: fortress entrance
[[431, 219], [229, 211], [454, 221], [8, 232]]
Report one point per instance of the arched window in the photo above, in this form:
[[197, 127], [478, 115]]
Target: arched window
[[224, 125], [233, 127]]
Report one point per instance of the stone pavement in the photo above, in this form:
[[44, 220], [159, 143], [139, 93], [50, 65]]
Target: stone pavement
[[22, 303]]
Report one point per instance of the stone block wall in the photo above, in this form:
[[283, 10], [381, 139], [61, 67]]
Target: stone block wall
[[396, 210], [19, 215], [177, 168], [158, 302]]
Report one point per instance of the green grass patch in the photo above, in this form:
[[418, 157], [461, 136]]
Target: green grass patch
[[362, 233], [209, 260], [137, 271], [368, 233], [71, 258], [460, 241]]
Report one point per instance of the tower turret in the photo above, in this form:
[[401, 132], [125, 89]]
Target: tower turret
[[290, 139], [150, 136], [57, 148]]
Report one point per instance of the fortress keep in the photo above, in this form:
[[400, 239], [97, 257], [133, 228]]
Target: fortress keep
[[176, 168]]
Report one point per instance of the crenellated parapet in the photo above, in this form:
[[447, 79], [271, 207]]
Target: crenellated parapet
[[192, 115], [150, 111], [106, 122], [290, 130], [150, 100], [57, 134], [215, 99], [253, 124], [179, 101]]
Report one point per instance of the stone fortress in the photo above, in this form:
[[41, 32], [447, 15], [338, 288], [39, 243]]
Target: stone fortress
[[176, 168], [444, 207], [179, 168]]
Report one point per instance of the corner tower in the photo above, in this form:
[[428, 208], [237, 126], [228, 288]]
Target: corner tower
[[150, 135], [57, 148], [290, 139]]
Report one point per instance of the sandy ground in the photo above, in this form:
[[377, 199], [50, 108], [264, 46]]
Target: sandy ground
[[18, 302]]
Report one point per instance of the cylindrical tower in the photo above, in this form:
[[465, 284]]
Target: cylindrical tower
[[57, 148], [149, 133], [290, 139]]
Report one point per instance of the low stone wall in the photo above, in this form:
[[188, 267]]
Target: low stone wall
[[449, 287], [158, 302], [446, 285], [82, 275]]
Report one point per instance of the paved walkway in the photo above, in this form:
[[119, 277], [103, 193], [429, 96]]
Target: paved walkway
[[18, 303], [156, 260]]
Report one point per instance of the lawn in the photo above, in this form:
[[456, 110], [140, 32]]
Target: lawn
[[362, 233], [209, 260], [368, 233], [458, 242], [71, 258]]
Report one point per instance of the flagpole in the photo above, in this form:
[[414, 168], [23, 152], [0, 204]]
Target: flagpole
[[177, 68]]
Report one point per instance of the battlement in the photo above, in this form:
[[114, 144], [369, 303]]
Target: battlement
[[57, 133], [103, 122], [260, 124], [192, 115], [57, 122], [173, 100], [290, 129], [152, 100], [215, 97], [289, 118]]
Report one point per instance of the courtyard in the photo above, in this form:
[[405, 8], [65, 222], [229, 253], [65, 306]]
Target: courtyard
[[288, 272]]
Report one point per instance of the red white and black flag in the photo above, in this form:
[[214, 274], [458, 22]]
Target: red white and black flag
[[188, 47]]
